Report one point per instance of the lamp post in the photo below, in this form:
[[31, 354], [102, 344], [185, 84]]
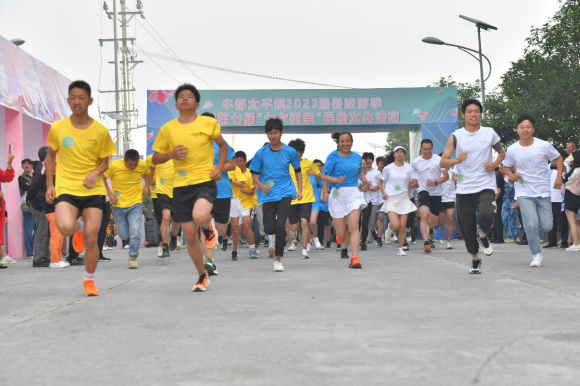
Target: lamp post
[[480, 25], [17, 41]]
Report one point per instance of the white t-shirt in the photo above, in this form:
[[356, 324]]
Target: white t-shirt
[[428, 169], [449, 188], [471, 174], [397, 178], [531, 162], [375, 197], [556, 194]]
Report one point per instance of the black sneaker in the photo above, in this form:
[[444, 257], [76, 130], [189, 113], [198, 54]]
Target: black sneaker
[[432, 243], [375, 236], [172, 243], [344, 253], [103, 258], [166, 249], [475, 266], [234, 255], [405, 246], [41, 264], [210, 268], [224, 244], [328, 245], [338, 248], [2, 266], [76, 261], [363, 247], [266, 243]]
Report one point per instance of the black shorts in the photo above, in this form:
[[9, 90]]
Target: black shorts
[[299, 211], [571, 201], [164, 202], [447, 205], [82, 202], [221, 210], [433, 202], [184, 197]]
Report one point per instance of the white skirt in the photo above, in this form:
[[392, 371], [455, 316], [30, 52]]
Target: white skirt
[[400, 204], [344, 200]]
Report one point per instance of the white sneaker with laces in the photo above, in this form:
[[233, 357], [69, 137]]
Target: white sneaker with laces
[[305, 254], [60, 264], [388, 235], [7, 260], [292, 247], [308, 247], [537, 260], [401, 252], [278, 267], [317, 244], [573, 248], [485, 245], [160, 251]]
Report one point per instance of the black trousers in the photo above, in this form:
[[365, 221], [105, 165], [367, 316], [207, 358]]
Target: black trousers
[[497, 229], [557, 219], [364, 222], [321, 222], [103, 229], [473, 209], [275, 216]]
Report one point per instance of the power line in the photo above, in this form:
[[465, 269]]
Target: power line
[[152, 55]]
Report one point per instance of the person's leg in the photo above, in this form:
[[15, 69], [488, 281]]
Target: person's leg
[[372, 218], [314, 224], [529, 208], [247, 226], [236, 232], [305, 233], [486, 209], [352, 220], [395, 223], [466, 220], [498, 223], [381, 220], [564, 229], [41, 238], [545, 215], [55, 239], [425, 217], [120, 215], [553, 233], [282, 212], [135, 220], [28, 228], [165, 226], [365, 220], [92, 223], [450, 213], [190, 231]]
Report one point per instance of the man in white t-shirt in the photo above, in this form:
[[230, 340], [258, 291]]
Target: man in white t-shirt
[[527, 162], [430, 176], [476, 186]]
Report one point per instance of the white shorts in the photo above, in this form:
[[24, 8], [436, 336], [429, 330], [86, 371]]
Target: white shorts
[[400, 204], [344, 200], [236, 208]]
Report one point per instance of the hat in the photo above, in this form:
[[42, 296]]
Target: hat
[[399, 147]]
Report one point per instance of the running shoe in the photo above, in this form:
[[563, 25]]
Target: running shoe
[[202, 283], [426, 247], [133, 262], [271, 251], [103, 258], [278, 267], [305, 254], [210, 235], [379, 243], [405, 246], [234, 255], [432, 243], [59, 264], [375, 236], [7, 260], [317, 244], [388, 235], [448, 245], [78, 242], [363, 247], [327, 245], [210, 268], [573, 248], [90, 288], [401, 252], [172, 242], [292, 246], [224, 244], [166, 249], [355, 262], [253, 253], [160, 251], [338, 248], [537, 260], [475, 266], [344, 253], [485, 245]]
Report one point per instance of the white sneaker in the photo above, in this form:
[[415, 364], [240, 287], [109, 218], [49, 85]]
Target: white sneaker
[[7, 260], [305, 254], [126, 246], [485, 245], [133, 262], [278, 267], [388, 235], [292, 247], [401, 252], [536, 260], [271, 251], [573, 248], [308, 247], [105, 248], [60, 264], [448, 245], [317, 244], [160, 251]]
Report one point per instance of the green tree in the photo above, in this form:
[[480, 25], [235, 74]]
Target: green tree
[[398, 138]]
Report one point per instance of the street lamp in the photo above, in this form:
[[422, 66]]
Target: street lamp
[[480, 25], [17, 41]]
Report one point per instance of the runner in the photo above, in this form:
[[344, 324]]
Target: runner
[[395, 187], [319, 223], [372, 197], [526, 162], [83, 146], [188, 141], [276, 191], [343, 170], [476, 185], [243, 223], [448, 206]]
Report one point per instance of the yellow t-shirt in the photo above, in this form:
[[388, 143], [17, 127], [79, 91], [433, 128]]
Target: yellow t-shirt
[[79, 153], [198, 137], [164, 174], [152, 187], [127, 185], [307, 191], [247, 200], [236, 175]]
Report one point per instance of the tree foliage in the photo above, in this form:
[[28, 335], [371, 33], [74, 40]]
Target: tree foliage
[[398, 138]]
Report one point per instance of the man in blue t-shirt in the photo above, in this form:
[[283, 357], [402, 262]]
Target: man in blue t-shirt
[[276, 190]]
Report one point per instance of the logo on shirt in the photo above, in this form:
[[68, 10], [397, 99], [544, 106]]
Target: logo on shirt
[[68, 142], [484, 142]]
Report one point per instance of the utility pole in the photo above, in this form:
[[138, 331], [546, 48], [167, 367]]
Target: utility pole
[[124, 64]]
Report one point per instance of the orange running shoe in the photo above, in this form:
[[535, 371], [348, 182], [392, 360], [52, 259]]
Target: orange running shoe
[[339, 240], [355, 262], [202, 283], [210, 236], [78, 242], [90, 289], [427, 248]]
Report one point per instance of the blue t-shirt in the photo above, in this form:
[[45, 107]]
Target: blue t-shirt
[[224, 187], [317, 187], [273, 167], [338, 166]]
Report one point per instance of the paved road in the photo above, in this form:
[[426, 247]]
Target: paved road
[[414, 320]]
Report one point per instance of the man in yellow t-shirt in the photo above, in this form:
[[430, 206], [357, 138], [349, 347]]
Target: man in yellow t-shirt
[[163, 203], [126, 197], [83, 146], [242, 208], [188, 141], [301, 210]]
